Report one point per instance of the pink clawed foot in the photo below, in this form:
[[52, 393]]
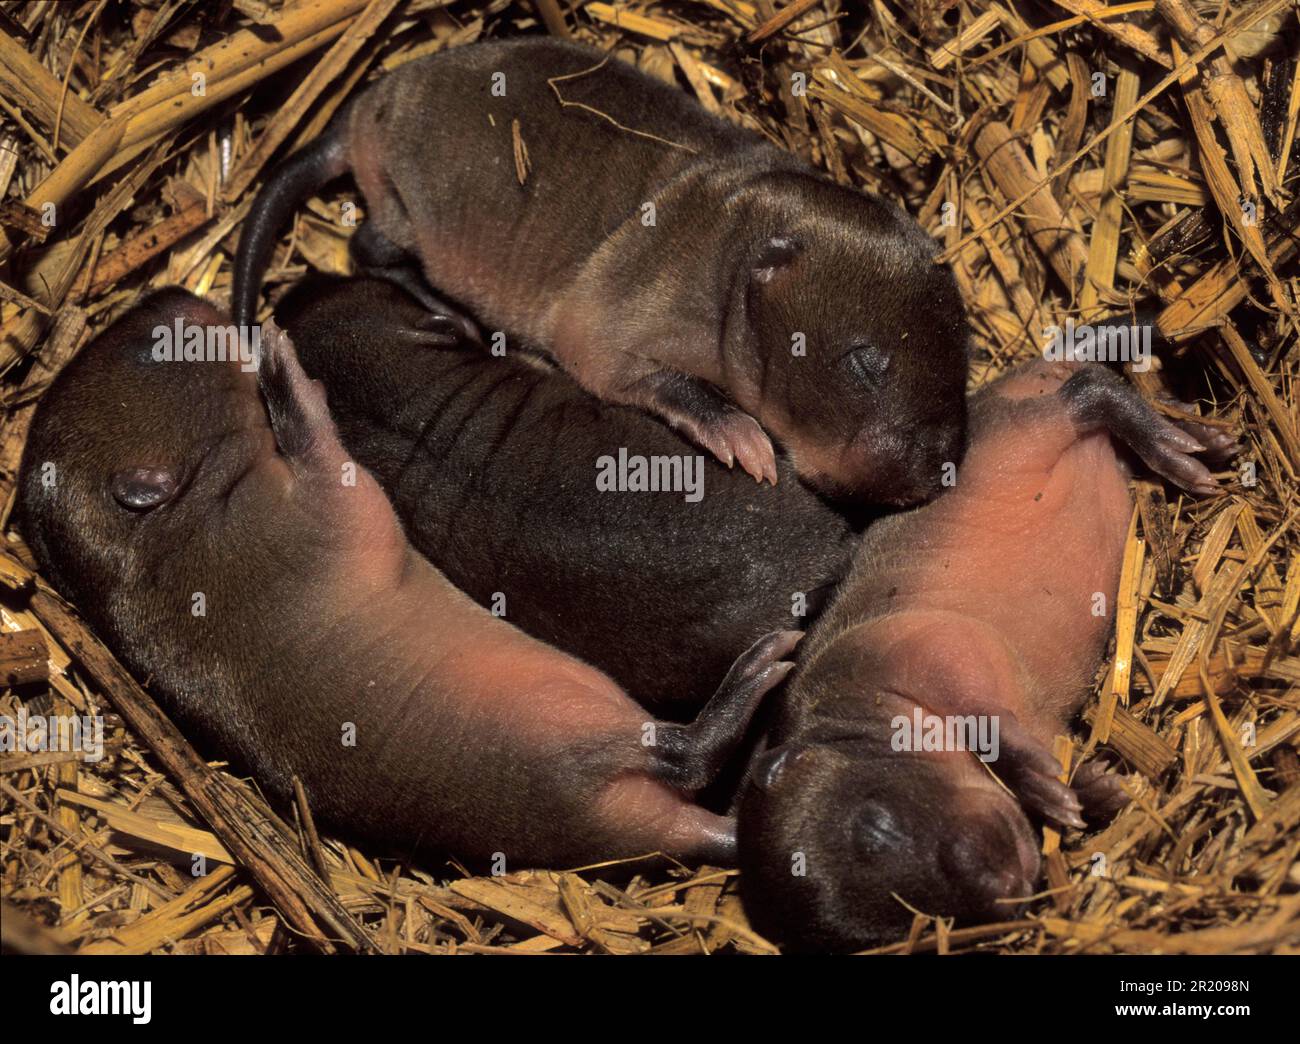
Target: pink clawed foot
[[1169, 453], [737, 439], [702, 413], [1218, 445]]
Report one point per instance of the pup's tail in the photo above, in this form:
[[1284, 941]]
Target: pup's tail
[[303, 173]]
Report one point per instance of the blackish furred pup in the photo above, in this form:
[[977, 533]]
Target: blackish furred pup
[[665, 258], [492, 465], [263, 586], [978, 604]]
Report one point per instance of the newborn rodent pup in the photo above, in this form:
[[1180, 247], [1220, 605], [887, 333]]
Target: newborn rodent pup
[[209, 524], [492, 464], [664, 257], [979, 607]]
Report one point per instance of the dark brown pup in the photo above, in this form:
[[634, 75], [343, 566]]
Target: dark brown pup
[[209, 524], [988, 607], [495, 467], [664, 257]]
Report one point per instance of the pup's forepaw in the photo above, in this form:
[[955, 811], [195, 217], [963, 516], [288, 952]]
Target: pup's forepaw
[[739, 438], [1101, 791], [1030, 772]]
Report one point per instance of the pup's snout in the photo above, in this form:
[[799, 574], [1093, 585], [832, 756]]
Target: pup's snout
[[945, 444], [902, 466], [989, 865], [899, 461], [931, 460]]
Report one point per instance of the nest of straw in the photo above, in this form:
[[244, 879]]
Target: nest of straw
[[1074, 160]]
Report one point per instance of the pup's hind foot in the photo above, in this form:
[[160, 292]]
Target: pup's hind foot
[[690, 757], [373, 254]]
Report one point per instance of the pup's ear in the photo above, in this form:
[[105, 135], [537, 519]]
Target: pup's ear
[[772, 255], [771, 765], [145, 487]]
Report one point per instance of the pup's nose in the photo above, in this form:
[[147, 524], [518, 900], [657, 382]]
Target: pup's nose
[[936, 453], [986, 866]]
